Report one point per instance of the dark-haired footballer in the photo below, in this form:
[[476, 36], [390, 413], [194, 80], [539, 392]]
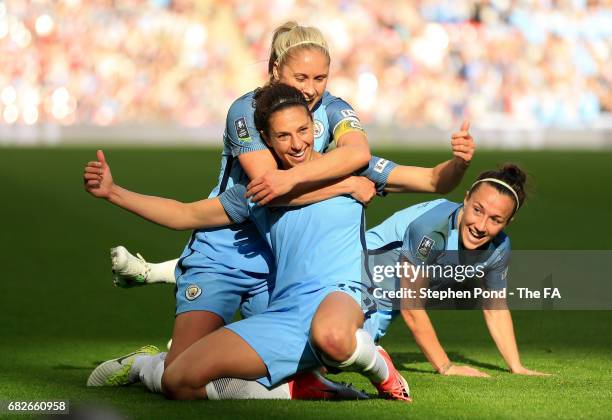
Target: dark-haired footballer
[[446, 234], [314, 312]]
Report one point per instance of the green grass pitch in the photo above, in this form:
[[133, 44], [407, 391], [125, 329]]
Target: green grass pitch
[[61, 314]]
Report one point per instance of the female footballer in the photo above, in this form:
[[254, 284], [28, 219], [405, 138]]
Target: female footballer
[[315, 308], [233, 274], [444, 234]]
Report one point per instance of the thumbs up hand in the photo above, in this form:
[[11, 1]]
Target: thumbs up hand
[[97, 177], [463, 144]]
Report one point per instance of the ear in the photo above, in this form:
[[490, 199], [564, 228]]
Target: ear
[[275, 72], [465, 198], [265, 138]]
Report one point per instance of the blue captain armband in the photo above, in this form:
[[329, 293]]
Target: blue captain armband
[[378, 171], [235, 204]]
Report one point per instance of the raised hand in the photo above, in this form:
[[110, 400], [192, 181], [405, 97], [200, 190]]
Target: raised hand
[[97, 177], [463, 144]]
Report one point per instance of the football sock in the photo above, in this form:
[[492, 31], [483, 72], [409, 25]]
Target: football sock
[[162, 272], [365, 359], [151, 371], [241, 389]]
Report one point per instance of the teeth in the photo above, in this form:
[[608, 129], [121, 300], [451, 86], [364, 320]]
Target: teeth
[[474, 235]]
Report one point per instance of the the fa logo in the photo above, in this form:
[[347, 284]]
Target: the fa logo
[[425, 246], [242, 130]]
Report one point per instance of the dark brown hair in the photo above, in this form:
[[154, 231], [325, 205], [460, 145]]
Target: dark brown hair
[[272, 98], [509, 173]]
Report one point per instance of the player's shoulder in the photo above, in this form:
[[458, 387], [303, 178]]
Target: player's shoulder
[[501, 243], [242, 105], [435, 211], [336, 104], [432, 222]]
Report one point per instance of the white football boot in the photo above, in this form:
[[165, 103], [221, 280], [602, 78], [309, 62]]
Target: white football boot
[[128, 270]]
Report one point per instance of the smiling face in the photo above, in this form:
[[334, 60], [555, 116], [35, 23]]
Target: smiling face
[[307, 70], [486, 212], [290, 135]]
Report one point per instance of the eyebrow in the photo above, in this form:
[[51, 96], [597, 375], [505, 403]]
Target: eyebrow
[[494, 216], [305, 75]]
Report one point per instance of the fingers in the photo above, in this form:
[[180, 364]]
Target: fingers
[[536, 373], [462, 148], [254, 183], [266, 200], [100, 156], [87, 176], [463, 131], [461, 134], [257, 198], [93, 169], [256, 189]]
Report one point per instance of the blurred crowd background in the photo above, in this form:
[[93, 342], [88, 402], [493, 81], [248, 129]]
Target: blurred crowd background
[[428, 63]]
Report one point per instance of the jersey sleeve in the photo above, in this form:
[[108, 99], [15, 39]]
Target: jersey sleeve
[[342, 119], [496, 277], [378, 171], [235, 204], [420, 246], [240, 133]]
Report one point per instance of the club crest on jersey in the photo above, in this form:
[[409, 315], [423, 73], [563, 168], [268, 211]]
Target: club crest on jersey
[[425, 246], [192, 292], [242, 130], [318, 128]]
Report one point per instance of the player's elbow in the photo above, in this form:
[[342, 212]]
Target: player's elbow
[[438, 186]]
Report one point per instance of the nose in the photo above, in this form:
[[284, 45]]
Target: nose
[[481, 225], [308, 88], [296, 143]]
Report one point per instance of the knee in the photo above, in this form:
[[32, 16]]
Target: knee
[[336, 342], [171, 384], [177, 385]]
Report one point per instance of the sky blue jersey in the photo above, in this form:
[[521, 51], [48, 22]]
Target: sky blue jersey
[[315, 246], [240, 245], [424, 233]]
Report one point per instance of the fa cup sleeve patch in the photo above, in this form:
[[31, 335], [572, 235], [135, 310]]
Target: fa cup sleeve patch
[[425, 246], [242, 131]]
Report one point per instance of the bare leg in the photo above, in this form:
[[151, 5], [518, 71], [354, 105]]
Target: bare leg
[[334, 325], [189, 327], [336, 333], [218, 355]]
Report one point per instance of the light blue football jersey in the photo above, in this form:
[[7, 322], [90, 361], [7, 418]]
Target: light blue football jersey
[[315, 246], [427, 233], [241, 246]]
